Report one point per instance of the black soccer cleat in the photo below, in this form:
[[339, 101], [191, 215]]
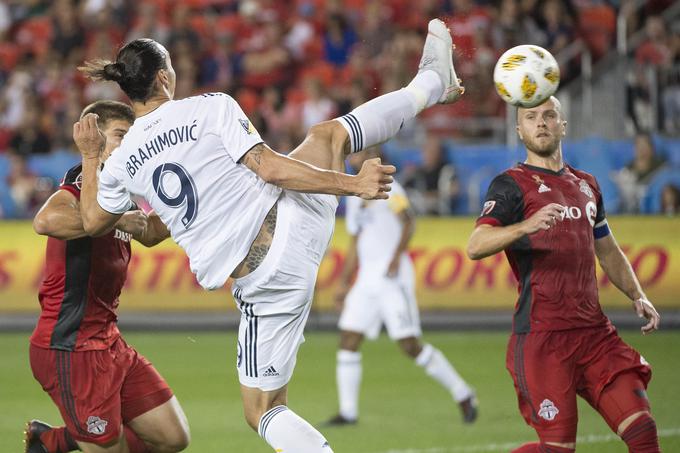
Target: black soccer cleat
[[469, 409], [339, 420], [32, 433]]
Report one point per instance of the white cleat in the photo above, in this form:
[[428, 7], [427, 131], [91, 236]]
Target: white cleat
[[438, 57]]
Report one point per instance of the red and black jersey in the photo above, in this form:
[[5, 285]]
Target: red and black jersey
[[555, 268], [83, 279]]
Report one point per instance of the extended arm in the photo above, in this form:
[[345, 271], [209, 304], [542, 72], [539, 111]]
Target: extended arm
[[154, 233], [372, 182], [621, 274], [487, 240], [59, 217], [408, 225], [90, 142], [348, 269], [350, 264]]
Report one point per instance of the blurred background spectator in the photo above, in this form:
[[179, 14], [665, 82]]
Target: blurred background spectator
[[292, 64], [636, 175], [27, 190], [656, 75], [433, 187], [670, 200]]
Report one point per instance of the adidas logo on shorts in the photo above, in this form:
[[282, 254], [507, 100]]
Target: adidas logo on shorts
[[270, 372]]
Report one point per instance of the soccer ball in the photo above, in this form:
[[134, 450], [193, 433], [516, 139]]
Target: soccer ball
[[526, 75]]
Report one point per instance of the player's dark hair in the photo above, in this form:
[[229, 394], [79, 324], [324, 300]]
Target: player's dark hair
[[110, 110], [135, 68]]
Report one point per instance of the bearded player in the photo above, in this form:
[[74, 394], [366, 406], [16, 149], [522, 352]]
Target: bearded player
[[111, 398], [549, 218]]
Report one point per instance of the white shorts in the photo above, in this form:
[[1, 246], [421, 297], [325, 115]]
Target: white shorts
[[275, 298], [391, 301]]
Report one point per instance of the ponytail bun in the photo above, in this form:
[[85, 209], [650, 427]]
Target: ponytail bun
[[114, 71]]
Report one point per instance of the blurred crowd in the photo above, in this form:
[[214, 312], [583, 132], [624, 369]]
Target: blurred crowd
[[654, 79], [289, 64]]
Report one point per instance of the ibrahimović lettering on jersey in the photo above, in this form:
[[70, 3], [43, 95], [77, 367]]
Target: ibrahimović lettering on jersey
[[158, 144]]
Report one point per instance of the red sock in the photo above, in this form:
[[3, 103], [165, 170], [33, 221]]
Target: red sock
[[641, 436], [58, 440], [135, 444], [537, 447]]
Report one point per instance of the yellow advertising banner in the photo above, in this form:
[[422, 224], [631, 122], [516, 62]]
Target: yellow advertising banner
[[159, 277]]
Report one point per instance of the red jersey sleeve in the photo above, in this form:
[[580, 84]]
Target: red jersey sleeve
[[503, 204], [601, 227], [73, 180], [601, 215]]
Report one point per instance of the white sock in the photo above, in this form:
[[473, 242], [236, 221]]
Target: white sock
[[428, 88], [440, 369], [348, 377], [287, 432], [379, 119]]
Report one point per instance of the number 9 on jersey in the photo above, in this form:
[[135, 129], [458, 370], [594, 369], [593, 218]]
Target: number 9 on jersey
[[175, 187]]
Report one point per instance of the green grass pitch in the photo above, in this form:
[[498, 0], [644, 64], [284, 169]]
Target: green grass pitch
[[402, 410]]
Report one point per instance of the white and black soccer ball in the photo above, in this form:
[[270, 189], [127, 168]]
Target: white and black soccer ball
[[526, 75]]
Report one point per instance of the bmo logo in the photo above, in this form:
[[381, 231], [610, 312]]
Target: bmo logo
[[575, 213], [571, 213]]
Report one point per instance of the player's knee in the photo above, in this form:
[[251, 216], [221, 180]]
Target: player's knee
[[640, 434], [350, 341], [175, 441], [331, 132], [253, 417], [323, 130], [623, 401], [411, 347]]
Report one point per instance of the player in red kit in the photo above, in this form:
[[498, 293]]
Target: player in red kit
[[111, 398], [549, 219]]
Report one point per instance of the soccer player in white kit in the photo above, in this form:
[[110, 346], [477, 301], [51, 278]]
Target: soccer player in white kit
[[384, 293], [240, 209]]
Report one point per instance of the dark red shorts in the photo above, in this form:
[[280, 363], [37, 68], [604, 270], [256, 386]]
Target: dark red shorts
[[550, 368], [97, 391]]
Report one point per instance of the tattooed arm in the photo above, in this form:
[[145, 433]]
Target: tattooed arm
[[373, 181]]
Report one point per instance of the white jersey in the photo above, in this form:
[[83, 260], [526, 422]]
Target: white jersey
[[182, 158], [379, 230]]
